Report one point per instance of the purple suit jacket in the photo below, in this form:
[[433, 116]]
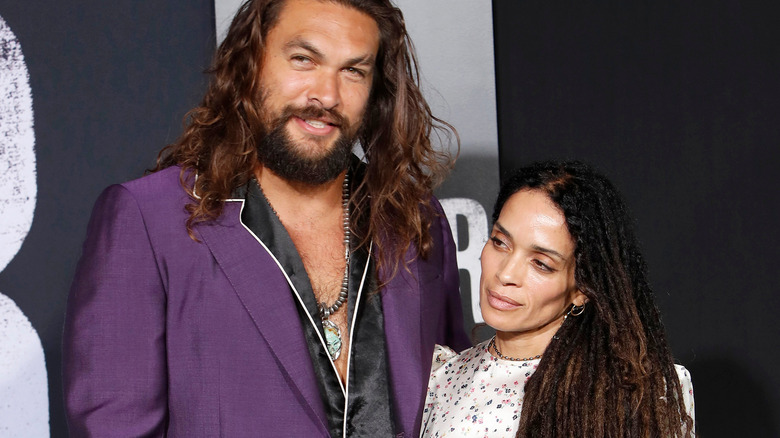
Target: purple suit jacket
[[166, 336]]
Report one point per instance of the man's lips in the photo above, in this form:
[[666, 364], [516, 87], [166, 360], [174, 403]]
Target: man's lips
[[316, 126], [501, 302]]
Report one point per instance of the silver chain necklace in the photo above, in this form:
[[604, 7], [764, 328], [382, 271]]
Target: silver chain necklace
[[515, 359], [332, 332]]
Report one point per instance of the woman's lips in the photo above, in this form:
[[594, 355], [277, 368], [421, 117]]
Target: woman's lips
[[500, 302]]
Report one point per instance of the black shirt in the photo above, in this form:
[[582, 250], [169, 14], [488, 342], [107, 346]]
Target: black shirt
[[368, 411]]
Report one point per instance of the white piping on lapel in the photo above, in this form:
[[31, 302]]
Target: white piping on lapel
[[352, 333], [194, 182], [300, 300], [195, 195]]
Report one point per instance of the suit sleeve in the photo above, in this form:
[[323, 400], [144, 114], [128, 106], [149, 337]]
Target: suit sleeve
[[454, 335], [114, 367]]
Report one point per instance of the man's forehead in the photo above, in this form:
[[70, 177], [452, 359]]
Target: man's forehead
[[320, 10], [311, 24]]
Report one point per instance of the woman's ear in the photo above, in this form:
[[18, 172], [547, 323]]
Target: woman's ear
[[579, 299]]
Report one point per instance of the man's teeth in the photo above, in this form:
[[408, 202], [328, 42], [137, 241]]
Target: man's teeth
[[316, 123]]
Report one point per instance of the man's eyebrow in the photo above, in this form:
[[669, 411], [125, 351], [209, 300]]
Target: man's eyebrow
[[303, 44], [535, 247], [367, 59]]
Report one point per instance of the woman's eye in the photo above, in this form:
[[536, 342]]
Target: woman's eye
[[497, 242], [542, 266]]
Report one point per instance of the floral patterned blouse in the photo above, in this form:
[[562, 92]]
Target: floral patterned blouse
[[474, 394]]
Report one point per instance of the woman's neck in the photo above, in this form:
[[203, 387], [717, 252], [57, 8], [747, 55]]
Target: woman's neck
[[527, 344]]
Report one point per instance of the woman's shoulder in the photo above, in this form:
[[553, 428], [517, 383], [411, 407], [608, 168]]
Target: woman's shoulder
[[685, 378], [686, 385], [443, 355]]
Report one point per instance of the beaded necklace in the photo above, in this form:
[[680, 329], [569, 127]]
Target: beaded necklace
[[333, 338], [516, 359]]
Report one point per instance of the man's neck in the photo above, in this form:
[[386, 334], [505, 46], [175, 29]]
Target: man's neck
[[297, 197], [314, 218]]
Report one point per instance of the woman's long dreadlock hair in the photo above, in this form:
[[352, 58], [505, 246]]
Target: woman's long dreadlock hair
[[220, 141], [609, 371]]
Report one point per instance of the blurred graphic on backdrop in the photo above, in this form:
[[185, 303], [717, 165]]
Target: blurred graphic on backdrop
[[24, 410]]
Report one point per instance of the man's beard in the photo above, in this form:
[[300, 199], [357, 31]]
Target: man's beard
[[279, 153]]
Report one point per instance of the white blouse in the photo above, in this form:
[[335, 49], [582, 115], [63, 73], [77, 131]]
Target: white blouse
[[474, 394]]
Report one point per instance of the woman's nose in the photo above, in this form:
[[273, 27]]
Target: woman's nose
[[511, 272]]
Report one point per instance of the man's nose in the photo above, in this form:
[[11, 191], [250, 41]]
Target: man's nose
[[325, 89]]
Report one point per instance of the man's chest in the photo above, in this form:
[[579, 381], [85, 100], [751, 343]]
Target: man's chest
[[323, 257]]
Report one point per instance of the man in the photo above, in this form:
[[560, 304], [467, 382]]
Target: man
[[263, 281]]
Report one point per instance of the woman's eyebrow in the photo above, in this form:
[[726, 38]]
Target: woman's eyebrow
[[502, 230], [548, 251], [535, 247]]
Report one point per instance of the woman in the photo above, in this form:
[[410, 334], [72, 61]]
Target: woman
[[579, 349]]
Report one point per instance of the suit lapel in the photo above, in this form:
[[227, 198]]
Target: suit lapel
[[401, 304], [265, 294]]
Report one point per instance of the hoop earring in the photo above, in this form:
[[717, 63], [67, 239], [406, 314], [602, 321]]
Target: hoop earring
[[576, 310]]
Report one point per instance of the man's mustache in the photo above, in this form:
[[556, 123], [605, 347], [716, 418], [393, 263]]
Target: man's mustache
[[333, 117]]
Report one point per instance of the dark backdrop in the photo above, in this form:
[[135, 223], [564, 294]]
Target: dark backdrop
[[678, 103], [111, 82]]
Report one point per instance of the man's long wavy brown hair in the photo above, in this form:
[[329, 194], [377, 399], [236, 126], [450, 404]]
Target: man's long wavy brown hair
[[395, 196], [607, 372]]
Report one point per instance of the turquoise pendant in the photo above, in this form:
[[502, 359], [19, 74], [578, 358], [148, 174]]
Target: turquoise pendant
[[332, 339]]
